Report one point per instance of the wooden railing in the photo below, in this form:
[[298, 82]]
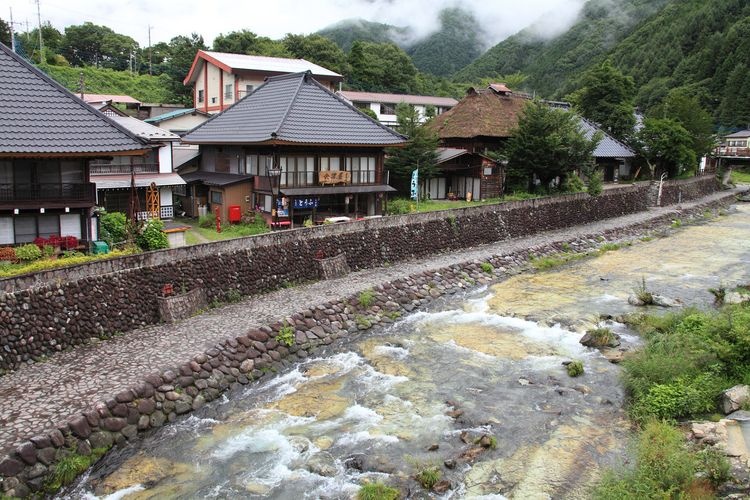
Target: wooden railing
[[108, 169], [85, 191], [323, 178], [733, 151]]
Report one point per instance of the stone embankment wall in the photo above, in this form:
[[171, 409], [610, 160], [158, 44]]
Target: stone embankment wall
[[55, 310], [162, 397]]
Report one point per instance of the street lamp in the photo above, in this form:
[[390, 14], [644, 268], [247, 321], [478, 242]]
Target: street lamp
[[274, 176]]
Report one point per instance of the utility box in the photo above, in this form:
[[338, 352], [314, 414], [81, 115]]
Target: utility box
[[235, 213], [99, 248]]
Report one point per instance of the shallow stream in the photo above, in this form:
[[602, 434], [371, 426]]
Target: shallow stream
[[424, 391]]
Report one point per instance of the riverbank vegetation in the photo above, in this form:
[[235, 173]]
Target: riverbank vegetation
[[689, 358]]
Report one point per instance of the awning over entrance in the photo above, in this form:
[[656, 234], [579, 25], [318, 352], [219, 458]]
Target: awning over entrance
[[122, 181], [319, 190]]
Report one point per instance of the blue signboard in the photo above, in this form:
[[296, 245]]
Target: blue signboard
[[415, 184], [302, 203]]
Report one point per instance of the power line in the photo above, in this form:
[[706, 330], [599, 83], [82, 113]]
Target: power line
[[39, 20]]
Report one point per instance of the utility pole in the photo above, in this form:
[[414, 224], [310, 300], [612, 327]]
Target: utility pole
[[149, 50], [12, 33], [39, 24], [81, 84]]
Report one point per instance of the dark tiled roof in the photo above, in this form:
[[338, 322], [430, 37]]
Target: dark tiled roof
[[608, 147], [484, 113], [293, 109], [38, 116], [215, 178]]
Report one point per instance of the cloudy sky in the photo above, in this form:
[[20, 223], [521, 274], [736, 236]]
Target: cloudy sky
[[499, 18]]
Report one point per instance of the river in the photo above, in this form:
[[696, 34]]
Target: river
[[423, 393]]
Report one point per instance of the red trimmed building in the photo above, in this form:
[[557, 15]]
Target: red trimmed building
[[220, 79]]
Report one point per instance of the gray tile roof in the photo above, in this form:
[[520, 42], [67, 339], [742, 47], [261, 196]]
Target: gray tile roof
[[293, 109], [38, 116], [608, 147]]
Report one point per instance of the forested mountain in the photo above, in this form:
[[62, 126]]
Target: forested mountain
[[456, 42], [702, 46], [551, 63], [454, 45], [348, 31]]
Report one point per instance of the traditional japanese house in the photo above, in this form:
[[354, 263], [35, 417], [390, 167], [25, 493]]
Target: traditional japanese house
[[329, 153], [48, 137]]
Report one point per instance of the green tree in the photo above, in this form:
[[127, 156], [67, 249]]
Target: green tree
[[5, 33], [420, 152], [548, 143], [317, 49], [734, 111], [247, 42], [90, 44], [685, 108], [666, 146], [381, 67], [606, 98], [51, 38], [181, 53]]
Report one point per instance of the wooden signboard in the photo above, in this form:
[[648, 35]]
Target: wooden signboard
[[334, 177]]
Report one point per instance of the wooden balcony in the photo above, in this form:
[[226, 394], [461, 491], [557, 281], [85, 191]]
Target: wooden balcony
[[108, 169], [47, 195], [325, 178], [733, 152]]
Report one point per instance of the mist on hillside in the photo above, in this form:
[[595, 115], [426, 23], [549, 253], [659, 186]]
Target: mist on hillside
[[498, 19]]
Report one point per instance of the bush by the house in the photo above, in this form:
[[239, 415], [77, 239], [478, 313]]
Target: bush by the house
[[400, 206], [208, 221], [7, 254], [54, 241], [29, 252], [152, 236], [113, 228], [596, 181]]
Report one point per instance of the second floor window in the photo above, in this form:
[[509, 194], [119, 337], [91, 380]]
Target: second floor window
[[200, 95], [297, 170], [228, 91], [257, 164], [387, 109], [362, 169]]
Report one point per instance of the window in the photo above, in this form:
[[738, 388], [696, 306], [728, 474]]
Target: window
[[217, 197], [330, 163], [6, 230], [200, 95], [222, 164], [25, 228], [297, 170], [48, 225], [387, 109], [257, 164], [249, 89], [362, 169], [228, 91]]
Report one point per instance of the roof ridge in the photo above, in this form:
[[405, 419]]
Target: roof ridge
[[351, 106], [302, 81], [59, 88]]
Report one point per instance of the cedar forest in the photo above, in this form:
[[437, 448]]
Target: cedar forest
[[694, 49]]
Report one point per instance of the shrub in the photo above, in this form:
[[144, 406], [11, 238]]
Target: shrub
[[285, 335], [487, 267], [572, 184], [664, 467], [69, 243], [7, 254], [377, 491], [28, 253], [152, 236], [114, 228], [48, 251], [642, 293], [400, 206], [428, 477], [574, 368], [233, 296], [366, 298], [208, 221], [715, 465], [596, 180]]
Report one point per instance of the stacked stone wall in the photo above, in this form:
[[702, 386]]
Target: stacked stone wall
[[54, 310]]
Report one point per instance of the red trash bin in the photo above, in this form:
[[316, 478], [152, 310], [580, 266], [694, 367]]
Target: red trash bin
[[235, 213]]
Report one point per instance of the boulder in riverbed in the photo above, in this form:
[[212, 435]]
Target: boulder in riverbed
[[734, 398]]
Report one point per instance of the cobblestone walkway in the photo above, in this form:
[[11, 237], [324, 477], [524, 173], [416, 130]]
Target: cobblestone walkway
[[37, 396]]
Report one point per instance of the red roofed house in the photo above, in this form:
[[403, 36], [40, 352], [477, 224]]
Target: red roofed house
[[220, 79]]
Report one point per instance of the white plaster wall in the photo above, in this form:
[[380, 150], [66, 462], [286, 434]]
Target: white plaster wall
[[165, 158], [165, 196]]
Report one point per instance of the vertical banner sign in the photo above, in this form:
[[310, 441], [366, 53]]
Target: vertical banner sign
[[415, 184]]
